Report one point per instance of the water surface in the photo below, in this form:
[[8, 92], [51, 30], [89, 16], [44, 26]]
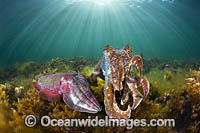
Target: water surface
[[43, 29]]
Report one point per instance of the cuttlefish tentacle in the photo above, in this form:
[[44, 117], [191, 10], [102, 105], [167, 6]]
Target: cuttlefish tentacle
[[82, 84], [137, 61], [125, 96], [111, 107], [133, 85], [137, 98], [145, 85], [75, 98]]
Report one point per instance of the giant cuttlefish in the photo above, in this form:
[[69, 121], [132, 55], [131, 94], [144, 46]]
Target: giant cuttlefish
[[118, 67]]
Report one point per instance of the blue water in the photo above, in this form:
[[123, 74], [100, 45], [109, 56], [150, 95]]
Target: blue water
[[43, 29]]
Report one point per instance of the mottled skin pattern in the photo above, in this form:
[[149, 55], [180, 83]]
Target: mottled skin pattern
[[74, 89], [117, 68]]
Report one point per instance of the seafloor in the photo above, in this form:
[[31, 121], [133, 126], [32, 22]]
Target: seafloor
[[174, 93]]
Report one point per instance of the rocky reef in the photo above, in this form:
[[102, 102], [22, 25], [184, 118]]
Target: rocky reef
[[174, 94]]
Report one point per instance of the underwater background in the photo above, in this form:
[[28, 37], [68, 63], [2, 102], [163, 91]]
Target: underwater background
[[41, 37], [40, 30]]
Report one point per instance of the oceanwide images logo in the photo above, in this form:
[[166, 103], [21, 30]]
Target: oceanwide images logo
[[46, 121]]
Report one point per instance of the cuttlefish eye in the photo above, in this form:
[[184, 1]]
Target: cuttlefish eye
[[67, 79]]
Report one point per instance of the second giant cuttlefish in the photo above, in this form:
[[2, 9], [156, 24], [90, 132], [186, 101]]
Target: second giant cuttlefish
[[72, 87]]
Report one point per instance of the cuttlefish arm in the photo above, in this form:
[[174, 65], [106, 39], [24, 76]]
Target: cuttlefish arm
[[137, 61], [78, 96], [145, 85], [143, 82], [111, 107]]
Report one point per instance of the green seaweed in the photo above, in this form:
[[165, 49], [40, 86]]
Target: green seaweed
[[172, 95]]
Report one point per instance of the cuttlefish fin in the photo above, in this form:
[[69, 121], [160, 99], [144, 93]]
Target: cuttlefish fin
[[50, 96], [46, 93]]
